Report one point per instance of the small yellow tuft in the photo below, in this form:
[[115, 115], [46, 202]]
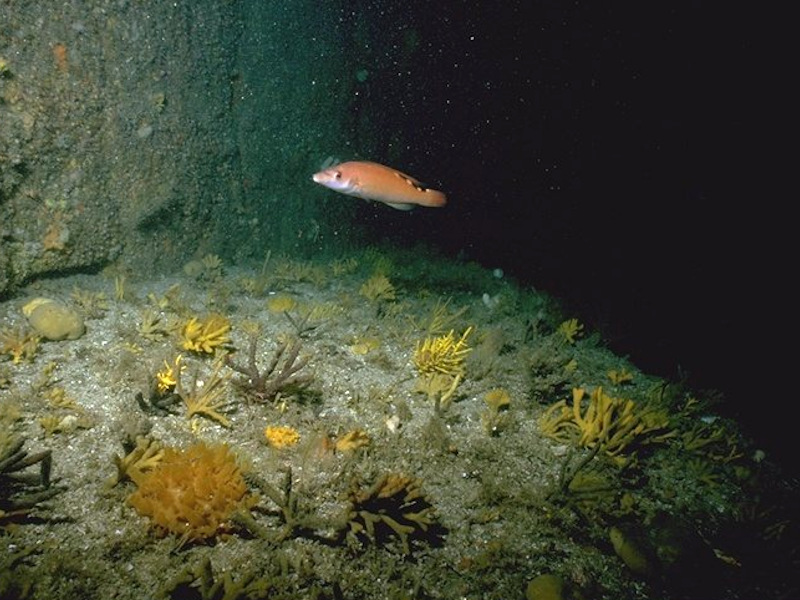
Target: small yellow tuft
[[497, 399], [442, 354], [352, 440], [343, 266], [281, 303], [167, 378], [279, 436], [378, 288], [620, 377], [364, 345], [570, 330], [495, 418], [207, 335], [19, 343]]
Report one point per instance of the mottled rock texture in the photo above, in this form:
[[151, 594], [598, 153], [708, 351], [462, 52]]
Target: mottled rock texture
[[150, 133]]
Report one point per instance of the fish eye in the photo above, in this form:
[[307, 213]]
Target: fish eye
[[337, 175]]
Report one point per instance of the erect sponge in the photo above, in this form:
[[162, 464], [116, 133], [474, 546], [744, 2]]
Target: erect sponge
[[192, 492]]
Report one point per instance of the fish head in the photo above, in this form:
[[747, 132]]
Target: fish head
[[336, 179]]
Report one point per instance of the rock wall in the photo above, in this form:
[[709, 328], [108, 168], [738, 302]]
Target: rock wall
[[151, 133]]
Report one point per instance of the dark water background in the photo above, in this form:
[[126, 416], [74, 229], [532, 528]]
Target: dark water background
[[610, 156], [622, 158]]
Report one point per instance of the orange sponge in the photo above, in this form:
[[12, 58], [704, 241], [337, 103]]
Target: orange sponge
[[192, 492]]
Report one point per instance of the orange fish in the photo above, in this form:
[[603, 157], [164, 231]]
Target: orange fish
[[371, 181]]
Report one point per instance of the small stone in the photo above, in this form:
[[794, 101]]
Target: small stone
[[53, 320], [145, 131], [631, 546], [545, 587]]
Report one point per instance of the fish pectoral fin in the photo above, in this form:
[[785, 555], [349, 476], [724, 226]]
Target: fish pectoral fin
[[399, 205]]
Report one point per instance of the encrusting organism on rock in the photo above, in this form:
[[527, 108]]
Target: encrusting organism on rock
[[278, 436]]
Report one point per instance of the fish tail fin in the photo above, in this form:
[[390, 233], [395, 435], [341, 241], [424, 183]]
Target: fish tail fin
[[433, 198]]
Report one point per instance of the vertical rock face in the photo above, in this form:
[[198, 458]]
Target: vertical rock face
[[149, 133]]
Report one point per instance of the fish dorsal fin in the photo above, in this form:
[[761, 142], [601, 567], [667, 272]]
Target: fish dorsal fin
[[329, 162], [415, 183]]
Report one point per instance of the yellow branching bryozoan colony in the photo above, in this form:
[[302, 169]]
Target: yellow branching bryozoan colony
[[440, 363], [442, 354], [168, 377], [616, 425], [378, 288], [205, 335]]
